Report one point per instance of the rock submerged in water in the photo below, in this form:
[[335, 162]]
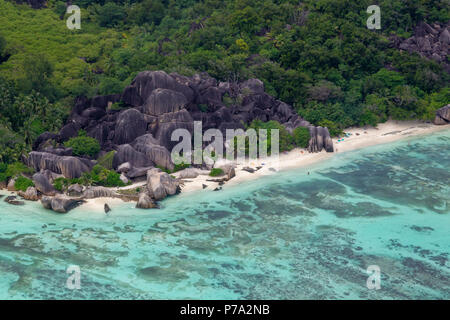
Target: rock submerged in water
[[13, 200], [107, 208]]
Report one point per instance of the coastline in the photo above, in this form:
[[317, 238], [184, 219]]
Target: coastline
[[387, 132]]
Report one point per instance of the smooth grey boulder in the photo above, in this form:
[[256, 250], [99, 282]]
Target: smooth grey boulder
[[46, 202], [254, 85], [149, 146], [163, 101], [106, 208], [75, 190], [229, 170], [126, 153], [442, 116], [138, 172], [124, 167], [43, 139], [130, 125], [98, 192], [30, 194], [94, 113], [145, 202], [161, 184], [190, 173], [145, 82], [168, 123], [60, 204], [58, 151], [69, 167], [320, 139], [43, 185], [13, 200], [70, 130]]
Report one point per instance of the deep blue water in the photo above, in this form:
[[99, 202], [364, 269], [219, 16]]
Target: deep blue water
[[287, 236]]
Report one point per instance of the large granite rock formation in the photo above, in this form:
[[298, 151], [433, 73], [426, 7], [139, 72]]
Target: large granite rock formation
[[431, 41], [160, 184], [442, 115], [151, 109], [70, 167], [43, 185]]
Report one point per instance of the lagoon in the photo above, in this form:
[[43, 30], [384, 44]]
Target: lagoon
[[284, 236]]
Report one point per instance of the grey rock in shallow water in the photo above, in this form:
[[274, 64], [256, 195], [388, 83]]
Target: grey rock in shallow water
[[60, 204], [145, 202], [107, 208], [13, 200]]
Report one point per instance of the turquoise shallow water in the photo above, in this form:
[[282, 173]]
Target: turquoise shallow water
[[286, 236]]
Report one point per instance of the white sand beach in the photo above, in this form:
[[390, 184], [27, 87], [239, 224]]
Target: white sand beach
[[387, 132], [359, 138]]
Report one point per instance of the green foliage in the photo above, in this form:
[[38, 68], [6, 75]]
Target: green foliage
[[177, 167], [110, 15], [100, 176], [83, 145], [215, 172], [23, 183], [62, 184], [316, 55], [59, 184], [3, 176], [333, 128], [17, 168], [286, 141], [107, 160], [301, 137]]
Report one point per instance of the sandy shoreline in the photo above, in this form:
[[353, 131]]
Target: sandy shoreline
[[388, 132]]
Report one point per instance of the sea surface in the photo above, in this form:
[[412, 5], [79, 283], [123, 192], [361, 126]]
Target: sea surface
[[292, 235]]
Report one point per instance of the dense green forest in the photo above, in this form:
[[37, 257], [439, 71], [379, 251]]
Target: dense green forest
[[316, 55]]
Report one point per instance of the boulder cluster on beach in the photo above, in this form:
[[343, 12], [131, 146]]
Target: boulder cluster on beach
[[138, 123]]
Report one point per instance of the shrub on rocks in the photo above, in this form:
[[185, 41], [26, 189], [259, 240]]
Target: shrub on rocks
[[23, 183], [83, 145]]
